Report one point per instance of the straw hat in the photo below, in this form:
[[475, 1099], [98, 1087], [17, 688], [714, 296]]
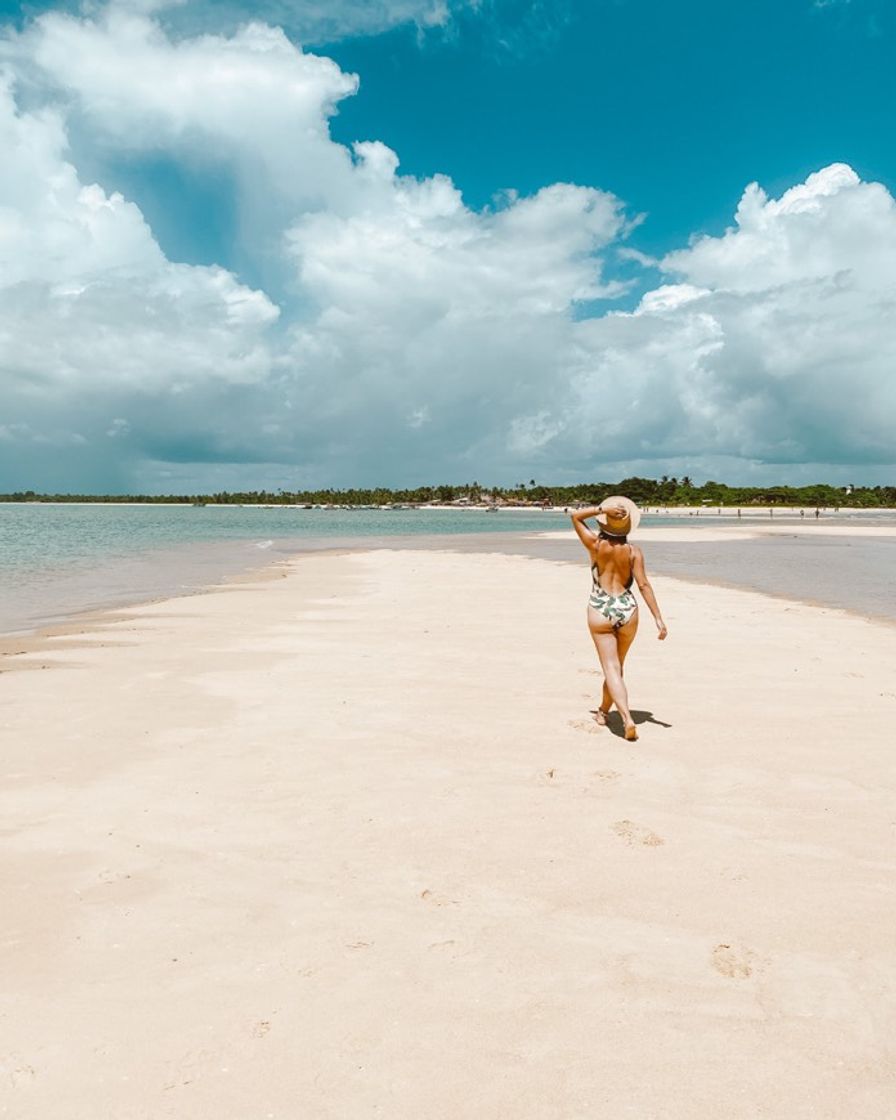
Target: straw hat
[[619, 526]]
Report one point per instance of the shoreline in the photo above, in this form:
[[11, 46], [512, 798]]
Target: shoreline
[[727, 514], [329, 837], [747, 511], [561, 546], [649, 510], [62, 633], [88, 561]]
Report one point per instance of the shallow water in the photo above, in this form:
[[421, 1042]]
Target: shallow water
[[57, 560]]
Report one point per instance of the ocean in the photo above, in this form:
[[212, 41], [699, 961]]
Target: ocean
[[60, 559]]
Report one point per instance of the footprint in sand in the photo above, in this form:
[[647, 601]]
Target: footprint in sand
[[732, 961], [634, 834], [607, 775], [588, 725], [21, 1073], [261, 1028], [437, 899]]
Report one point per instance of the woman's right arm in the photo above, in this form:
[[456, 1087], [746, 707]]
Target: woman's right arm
[[647, 591], [587, 536]]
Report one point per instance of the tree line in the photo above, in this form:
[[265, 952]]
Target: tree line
[[664, 492]]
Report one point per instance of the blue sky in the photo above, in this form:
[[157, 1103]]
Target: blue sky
[[592, 146], [674, 107]]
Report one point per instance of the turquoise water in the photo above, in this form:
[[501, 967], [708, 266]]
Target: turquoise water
[[48, 536], [57, 560]]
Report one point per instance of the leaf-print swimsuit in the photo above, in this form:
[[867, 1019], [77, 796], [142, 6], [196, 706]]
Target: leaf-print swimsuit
[[617, 609]]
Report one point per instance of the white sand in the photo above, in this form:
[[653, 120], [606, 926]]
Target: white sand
[[346, 845]]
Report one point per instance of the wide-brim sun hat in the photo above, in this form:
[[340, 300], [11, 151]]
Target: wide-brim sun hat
[[619, 526]]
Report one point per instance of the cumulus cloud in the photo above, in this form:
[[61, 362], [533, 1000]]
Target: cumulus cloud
[[92, 312], [414, 338], [464, 316], [249, 103], [777, 346], [415, 321], [832, 223]]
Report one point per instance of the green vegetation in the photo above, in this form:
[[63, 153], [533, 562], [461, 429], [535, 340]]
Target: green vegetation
[[663, 492]]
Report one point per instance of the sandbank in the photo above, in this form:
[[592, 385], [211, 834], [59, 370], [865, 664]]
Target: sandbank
[[345, 842]]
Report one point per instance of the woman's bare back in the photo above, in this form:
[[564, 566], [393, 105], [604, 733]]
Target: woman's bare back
[[613, 565]]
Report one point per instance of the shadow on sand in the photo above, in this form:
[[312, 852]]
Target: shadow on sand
[[614, 721]]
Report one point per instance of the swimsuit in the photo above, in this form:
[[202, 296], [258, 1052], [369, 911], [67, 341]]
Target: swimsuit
[[617, 609]]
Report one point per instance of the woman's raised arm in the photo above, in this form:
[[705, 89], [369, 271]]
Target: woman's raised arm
[[587, 536]]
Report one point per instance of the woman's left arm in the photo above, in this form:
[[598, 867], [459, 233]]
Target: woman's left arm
[[640, 573]]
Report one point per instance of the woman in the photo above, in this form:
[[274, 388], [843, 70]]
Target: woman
[[612, 608]]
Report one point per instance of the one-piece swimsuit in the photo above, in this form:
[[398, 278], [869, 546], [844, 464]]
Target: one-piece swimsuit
[[616, 609]]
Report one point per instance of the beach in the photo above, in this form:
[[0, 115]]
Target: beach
[[341, 839]]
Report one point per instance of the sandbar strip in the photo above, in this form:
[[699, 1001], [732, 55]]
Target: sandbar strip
[[347, 843]]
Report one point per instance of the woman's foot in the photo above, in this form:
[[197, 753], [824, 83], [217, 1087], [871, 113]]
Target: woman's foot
[[631, 732], [600, 717]]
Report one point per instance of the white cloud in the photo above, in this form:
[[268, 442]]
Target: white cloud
[[250, 101], [407, 302], [779, 346], [669, 297], [417, 245], [466, 316], [90, 309], [833, 223], [419, 339]]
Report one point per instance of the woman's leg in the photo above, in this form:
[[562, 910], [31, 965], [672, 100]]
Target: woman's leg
[[612, 646], [625, 635]]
